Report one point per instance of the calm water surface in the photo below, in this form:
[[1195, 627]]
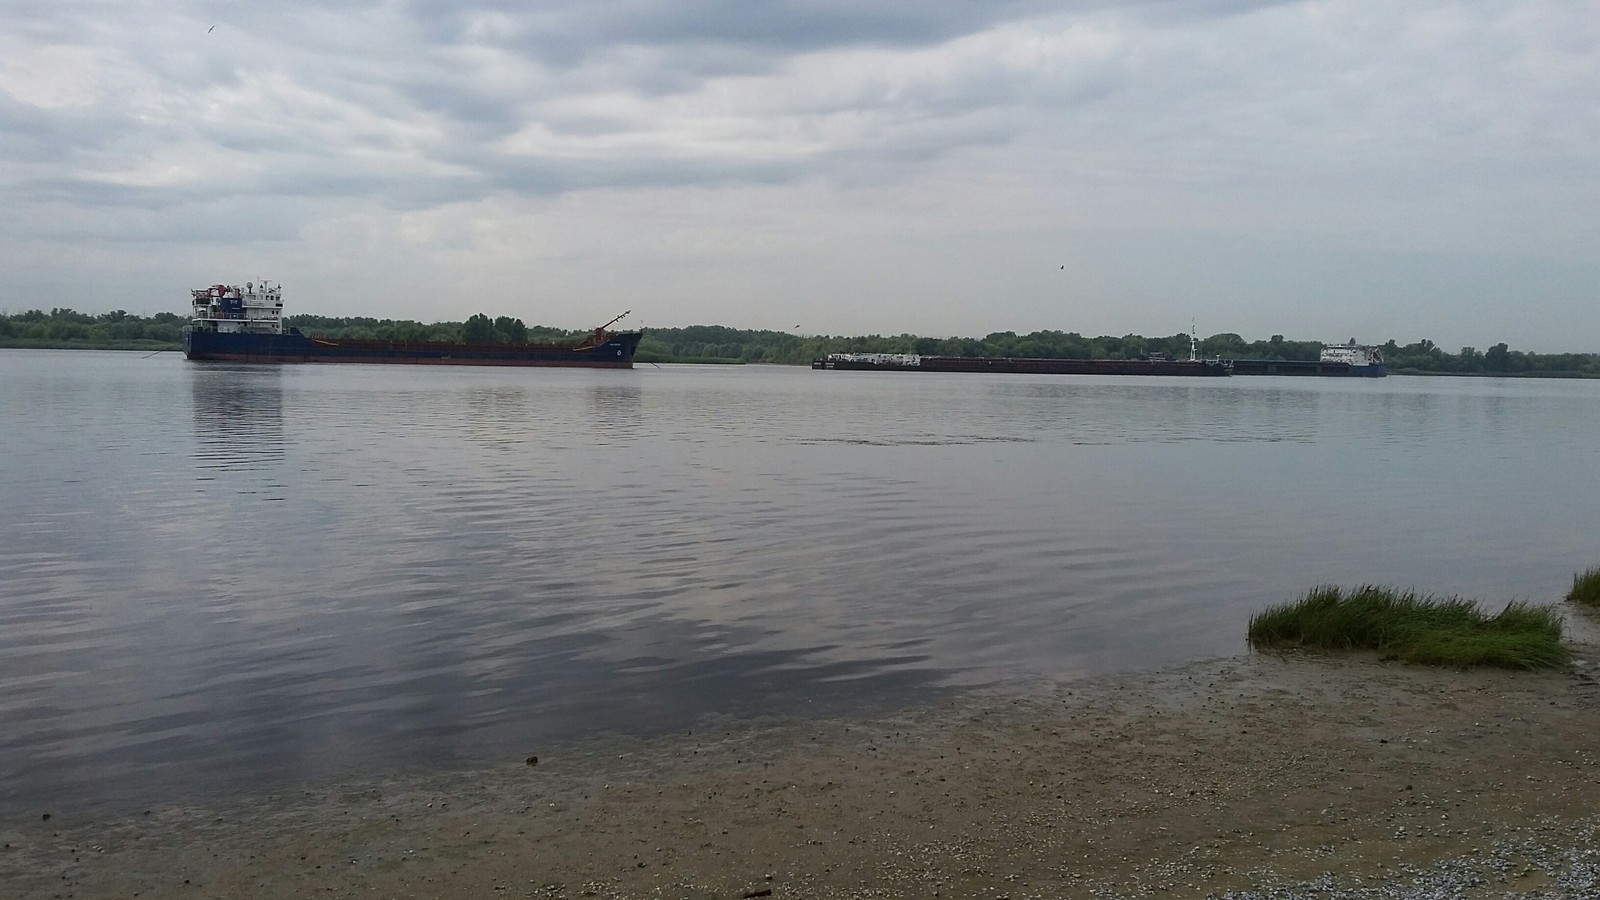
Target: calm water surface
[[221, 578]]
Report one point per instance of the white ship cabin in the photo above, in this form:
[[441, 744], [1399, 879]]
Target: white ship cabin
[[1353, 353], [878, 359], [252, 309]]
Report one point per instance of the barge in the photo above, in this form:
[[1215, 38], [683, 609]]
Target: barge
[[246, 325], [1155, 364], [908, 362]]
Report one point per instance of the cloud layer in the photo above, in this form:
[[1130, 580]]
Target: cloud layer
[[1316, 169]]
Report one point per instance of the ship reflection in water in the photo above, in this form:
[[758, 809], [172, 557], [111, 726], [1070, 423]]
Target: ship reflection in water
[[237, 412]]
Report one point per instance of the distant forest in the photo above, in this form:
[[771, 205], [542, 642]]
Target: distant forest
[[720, 344]]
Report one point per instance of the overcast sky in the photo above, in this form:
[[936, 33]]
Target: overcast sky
[[1323, 170]]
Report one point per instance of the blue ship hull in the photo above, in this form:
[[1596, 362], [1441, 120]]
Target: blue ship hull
[[616, 352]]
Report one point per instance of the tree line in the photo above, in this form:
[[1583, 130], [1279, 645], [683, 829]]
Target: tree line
[[719, 343], [70, 328]]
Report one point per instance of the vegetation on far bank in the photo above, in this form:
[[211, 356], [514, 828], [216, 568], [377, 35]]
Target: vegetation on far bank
[[1586, 587], [65, 328], [1404, 625], [717, 343]]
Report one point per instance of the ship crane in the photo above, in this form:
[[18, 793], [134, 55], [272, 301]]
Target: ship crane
[[601, 334]]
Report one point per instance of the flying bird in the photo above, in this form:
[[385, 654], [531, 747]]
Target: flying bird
[[211, 29]]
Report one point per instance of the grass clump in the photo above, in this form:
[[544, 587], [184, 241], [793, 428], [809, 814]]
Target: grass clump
[[1586, 587], [1414, 628]]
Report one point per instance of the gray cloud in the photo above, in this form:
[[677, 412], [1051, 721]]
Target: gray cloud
[[718, 136], [565, 35]]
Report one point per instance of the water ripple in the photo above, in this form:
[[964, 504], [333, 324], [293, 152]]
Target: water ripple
[[228, 577]]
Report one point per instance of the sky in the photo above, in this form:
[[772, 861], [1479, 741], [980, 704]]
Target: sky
[[1323, 170]]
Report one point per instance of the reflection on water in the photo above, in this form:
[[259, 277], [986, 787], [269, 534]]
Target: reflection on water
[[238, 417], [616, 411], [232, 577], [481, 410]]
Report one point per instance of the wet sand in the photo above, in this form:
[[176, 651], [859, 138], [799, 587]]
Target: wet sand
[[1251, 773]]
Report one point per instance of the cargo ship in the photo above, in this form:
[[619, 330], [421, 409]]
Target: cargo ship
[[246, 325], [1155, 364]]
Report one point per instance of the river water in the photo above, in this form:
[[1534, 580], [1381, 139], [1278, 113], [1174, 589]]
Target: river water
[[219, 579]]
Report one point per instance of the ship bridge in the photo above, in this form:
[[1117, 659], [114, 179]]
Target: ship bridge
[[252, 309]]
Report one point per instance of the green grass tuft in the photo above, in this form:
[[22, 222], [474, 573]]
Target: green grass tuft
[[1415, 628], [1586, 587]]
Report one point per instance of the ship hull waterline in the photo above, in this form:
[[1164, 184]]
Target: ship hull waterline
[[615, 353], [1299, 368]]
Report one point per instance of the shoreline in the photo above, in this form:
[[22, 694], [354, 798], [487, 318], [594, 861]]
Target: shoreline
[[163, 347], [1243, 774]]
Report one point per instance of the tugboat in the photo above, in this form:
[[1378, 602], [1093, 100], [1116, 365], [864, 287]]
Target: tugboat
[[246, 325]]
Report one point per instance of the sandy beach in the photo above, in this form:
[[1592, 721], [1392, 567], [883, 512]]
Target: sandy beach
[[1264, 775]]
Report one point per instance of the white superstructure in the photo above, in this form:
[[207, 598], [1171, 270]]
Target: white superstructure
[[1353, 354], [878, 359], [252, 309]]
